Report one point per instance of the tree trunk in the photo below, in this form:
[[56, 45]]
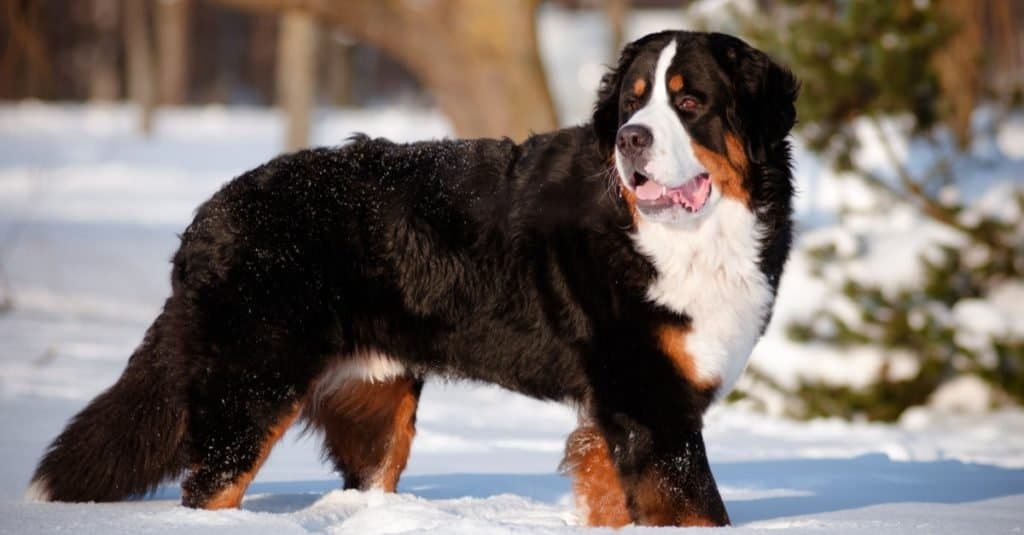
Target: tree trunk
[[139, 49], [103, 72], [615, 11], [172, 19], [296, 77], [958, 67], [479, 58], [337, 69], [1004, 47], [26, 54]]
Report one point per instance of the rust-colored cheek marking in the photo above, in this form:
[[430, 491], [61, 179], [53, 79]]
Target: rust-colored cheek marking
[[596, 482], [231, 496], [672, 339], [727, 170], [676, 82], [639, 86], [737, 156]]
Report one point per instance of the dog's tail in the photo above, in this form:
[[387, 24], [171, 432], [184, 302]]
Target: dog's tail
[[126, 441]]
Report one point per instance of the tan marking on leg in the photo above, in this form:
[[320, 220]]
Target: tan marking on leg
[[596, 482], [639, 86], [231, 496], [727, 170], [675, 83], [403, 431], [368, 430], [672, 340]]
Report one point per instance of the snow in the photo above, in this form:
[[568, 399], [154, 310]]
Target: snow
[[89, 213], [965, 394], [1007, 299]]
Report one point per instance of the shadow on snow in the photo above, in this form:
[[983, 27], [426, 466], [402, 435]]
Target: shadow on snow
[[828, 485], [812, 486]]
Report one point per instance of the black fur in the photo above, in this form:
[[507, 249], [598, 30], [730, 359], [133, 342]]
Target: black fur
[[131, 437], [481, 259]]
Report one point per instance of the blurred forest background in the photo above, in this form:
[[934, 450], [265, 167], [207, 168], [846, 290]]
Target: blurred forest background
[[925, 87]]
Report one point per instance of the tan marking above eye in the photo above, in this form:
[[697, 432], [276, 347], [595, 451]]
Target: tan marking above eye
[[639, 86], [676, 82]]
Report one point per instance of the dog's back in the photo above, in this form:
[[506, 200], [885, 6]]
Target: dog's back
[[375, 261]]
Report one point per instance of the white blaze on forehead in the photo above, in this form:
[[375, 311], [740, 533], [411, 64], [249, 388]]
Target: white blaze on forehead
[[672, 161]]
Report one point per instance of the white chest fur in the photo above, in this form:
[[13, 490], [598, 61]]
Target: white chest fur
[[710, 273]]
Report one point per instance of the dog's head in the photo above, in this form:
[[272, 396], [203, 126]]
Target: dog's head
[[688, 117]]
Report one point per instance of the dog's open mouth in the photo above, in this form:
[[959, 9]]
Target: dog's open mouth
[[692, 195]]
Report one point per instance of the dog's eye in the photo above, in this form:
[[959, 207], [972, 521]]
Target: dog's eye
[[686, 103]]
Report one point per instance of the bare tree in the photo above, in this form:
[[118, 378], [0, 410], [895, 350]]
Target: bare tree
[[337, 68], [139, 51], [104, 72], [172, 26], [479, 58], [958, 66], [26, 53], [1004, 42], [296, 82], [615, 11]]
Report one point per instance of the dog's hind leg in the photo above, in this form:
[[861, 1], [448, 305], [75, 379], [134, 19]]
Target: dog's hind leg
[[231, 438], [368, 426]]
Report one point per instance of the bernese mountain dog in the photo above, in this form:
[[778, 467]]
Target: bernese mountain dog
[[625, 267]]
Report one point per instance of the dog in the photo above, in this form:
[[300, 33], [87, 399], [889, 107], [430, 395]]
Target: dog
[[626, 267]]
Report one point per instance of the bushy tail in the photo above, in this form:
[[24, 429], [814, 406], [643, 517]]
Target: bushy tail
[[127, 440]]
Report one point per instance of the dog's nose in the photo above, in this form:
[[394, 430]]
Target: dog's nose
[[633, 139]]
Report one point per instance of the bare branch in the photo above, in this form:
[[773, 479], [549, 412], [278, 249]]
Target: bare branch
[[913, 189]]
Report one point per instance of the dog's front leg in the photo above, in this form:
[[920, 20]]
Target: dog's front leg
[[665, 473]]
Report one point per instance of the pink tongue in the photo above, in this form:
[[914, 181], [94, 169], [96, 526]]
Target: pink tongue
[[694, 193], [649, 191]]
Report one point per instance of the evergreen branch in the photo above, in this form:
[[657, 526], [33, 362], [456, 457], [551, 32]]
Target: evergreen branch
[[912, 188]]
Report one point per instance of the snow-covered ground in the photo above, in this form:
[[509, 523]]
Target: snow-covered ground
[[89, 213]]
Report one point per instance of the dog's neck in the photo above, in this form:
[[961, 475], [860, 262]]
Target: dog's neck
[[711, 273]]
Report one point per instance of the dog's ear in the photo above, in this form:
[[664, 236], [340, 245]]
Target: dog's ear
[[765, 91], [606, 111]]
